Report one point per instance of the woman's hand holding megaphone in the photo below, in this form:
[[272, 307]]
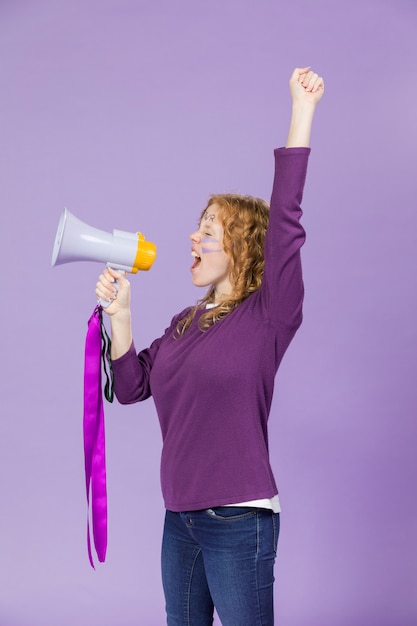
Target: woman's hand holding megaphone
[[118, 296]]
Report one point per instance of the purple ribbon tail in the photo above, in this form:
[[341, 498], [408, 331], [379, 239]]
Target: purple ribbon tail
[[94, 441]]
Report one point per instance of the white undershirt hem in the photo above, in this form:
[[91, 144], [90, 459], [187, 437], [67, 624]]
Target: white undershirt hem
[[265, 503]]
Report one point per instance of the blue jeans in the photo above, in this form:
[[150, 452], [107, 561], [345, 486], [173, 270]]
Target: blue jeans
[[221, 557]]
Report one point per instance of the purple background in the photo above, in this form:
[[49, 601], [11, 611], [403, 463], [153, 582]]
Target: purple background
[[130, 114]]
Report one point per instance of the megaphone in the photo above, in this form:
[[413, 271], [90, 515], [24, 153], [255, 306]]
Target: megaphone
[[121, 250]]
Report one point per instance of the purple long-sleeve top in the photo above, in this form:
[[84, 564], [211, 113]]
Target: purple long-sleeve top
[[213, 389]]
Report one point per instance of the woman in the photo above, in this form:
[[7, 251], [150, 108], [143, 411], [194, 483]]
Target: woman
[[212, 376]]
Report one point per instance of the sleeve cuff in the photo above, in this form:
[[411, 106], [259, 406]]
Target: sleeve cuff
[[126, 356], [291, 151]]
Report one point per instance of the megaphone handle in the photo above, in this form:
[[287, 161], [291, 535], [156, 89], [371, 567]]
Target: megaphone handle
[[106, 303]]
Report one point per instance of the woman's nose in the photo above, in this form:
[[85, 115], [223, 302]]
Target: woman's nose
[[195, 236]]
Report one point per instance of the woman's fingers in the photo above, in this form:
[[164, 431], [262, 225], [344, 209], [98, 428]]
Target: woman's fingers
[[113, 287], [309, 81], [105, 287], [306, 85]]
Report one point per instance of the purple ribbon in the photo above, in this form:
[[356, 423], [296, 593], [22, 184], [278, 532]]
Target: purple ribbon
[[94, 440]]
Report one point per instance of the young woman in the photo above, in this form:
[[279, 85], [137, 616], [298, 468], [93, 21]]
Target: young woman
[[211, 376]]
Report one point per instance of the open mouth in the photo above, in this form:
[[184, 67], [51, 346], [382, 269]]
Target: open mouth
[[197, 260]]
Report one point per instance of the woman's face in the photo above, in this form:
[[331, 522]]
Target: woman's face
[[211, 263]]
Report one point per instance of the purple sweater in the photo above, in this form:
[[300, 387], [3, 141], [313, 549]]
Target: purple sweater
[[213, 389]]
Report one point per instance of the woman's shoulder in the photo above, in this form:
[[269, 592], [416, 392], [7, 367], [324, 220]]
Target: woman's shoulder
[[178, 317]]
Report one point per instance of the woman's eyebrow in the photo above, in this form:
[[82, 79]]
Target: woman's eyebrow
[[206, 226], [208, 217]]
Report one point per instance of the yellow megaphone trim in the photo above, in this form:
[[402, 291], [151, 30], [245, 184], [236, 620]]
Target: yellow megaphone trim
[[145, 255]]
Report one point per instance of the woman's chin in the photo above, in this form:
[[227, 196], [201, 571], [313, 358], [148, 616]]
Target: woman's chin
[[198, 281]]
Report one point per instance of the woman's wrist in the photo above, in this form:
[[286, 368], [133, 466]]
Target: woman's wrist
[[300, 125], [120, 320], [121, 333]]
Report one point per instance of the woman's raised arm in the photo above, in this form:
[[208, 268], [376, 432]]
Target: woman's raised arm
[[306, 89]]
